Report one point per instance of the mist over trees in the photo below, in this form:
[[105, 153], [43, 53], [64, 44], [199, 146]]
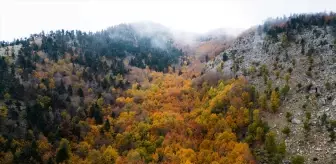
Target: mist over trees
[[298, 22], [130, 94]]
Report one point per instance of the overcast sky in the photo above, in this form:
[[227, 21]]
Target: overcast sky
[[19, 18]]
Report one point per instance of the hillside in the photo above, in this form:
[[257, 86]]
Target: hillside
[[122, 95], [294, 57], [142, 93]]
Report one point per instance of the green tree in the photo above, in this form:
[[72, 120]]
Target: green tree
[[306, 125], [263, 102], [284, 91], [277, 74], [43, 101], [64, 151], [3, 111], [332, 136], [100, 102], [270, 143], [328, 86], [286, 130], [107, 125], [287, 77], [308, 115], [80, 92], [275, 101], [282, 149], [264, 70], [259, 133], [284, 40], [275, 151], [96, 113], [7, 96], [297, 160]]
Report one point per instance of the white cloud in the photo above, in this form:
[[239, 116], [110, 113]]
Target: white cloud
[[19, 18]]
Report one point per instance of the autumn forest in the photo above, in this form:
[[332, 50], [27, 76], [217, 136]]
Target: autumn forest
[[121, 96]]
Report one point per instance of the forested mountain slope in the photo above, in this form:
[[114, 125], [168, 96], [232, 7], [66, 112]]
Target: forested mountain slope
[[138, 93], [294, 58], [114, 96]]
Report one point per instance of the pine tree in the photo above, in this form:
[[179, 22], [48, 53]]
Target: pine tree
[[275, 101], [70, 90], [297, 160], [107, 125], [63, 152], [61, 89], [80, 92], [270, 143]]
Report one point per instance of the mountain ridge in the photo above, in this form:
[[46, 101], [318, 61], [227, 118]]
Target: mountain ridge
[[142, 93], [297, 59]]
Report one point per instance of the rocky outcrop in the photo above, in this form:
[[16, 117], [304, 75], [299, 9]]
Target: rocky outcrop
[[309, 59]]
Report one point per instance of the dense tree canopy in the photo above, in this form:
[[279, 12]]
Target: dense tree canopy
[[119, 96], [298, 22]]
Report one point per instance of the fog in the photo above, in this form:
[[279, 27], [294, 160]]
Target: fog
[[19, 18]]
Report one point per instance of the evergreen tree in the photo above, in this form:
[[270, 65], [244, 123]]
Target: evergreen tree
[[96, 113], [107, 125], [275, 101], [270, 143], [70, 90], [297, 160], [61, 89], [63, 152], [80, 92]]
